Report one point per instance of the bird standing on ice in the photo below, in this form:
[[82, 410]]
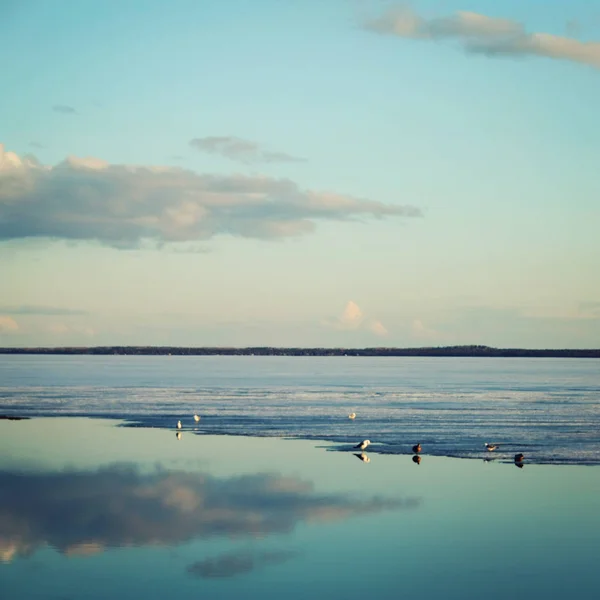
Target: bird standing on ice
[[363, 444], [491, 447], [178, 424], [352, 416], [196, 418]]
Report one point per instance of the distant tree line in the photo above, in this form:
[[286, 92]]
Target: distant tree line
[[482, 351]]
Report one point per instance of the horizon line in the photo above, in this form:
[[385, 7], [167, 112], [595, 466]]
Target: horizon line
[[474, 350]]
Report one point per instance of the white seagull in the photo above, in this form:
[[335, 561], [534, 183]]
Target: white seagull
[[178, 424], [352, 416], [196, 418], [363, 445]]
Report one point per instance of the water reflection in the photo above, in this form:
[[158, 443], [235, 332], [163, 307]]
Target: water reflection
[[83, 512], [363, 456], [237, 563], [416, 459]]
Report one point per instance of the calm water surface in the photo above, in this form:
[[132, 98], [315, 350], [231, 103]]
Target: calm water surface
[[89, 510], [546, 408]]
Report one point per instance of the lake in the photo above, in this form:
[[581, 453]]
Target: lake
[[549, 409]]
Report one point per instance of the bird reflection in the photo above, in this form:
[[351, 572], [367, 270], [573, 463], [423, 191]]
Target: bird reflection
[[362, 456], [416, 459], [519, 458], [178, 435]]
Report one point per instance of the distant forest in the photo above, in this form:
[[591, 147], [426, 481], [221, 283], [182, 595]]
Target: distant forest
[[476, 351]]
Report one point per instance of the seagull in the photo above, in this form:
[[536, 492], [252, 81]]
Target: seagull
[[416, 449], [363, 444], [178, 424], [352, 416], [491, 447], [363, 457], [196, 418], [178, 435]]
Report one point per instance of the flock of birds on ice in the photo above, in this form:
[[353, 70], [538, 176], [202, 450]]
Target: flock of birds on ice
[[362, 446]]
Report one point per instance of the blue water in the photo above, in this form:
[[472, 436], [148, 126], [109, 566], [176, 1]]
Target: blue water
[[90, 510], [549, 409]]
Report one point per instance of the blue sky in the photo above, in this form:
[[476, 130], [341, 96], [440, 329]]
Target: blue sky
[[340, 173]]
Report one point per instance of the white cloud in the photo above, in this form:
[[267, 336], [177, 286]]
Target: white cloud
[[491, 36], [8, 324], [123, 206], [352, 316], [378, 328], [420, 331], [353, 319], [241, 150]]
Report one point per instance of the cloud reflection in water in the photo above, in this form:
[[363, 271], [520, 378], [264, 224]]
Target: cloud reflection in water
[[83, 512], [237, 563]]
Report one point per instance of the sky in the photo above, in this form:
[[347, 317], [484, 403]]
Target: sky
[[304, 173]]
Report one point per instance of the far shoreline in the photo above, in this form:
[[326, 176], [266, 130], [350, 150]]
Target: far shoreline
[[474, 351]]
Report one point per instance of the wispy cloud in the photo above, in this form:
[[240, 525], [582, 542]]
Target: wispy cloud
[[490, 36], [352, 319], [237, 563], [8, 324], [122, 206], [27, 309], [37, 145], [244, 151], [64, 329], [589, 310], [64, 109]]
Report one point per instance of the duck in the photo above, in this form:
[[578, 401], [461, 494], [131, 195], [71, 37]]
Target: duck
[[519, 457], [491, 447], [416, 448]]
